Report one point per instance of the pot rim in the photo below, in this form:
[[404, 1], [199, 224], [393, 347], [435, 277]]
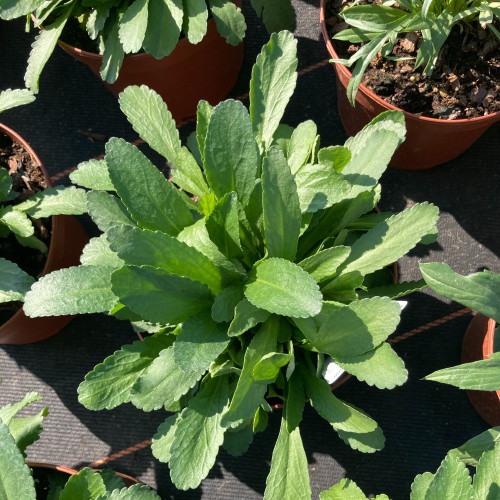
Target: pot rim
[[489, 342], [493, 117]]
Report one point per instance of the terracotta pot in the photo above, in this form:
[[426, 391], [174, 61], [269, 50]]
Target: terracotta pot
[[67, 241], [128, 480], [429, 141], [208, 70], [478, 345]]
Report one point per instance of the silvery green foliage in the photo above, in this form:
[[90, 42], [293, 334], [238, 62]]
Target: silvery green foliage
[[122, 27], [276, 261]]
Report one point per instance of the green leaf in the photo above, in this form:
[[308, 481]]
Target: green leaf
[[381, 367], [112, 57], [336, 157], [320, 187], [162, 383], [366, 442], [472, 450], [42, 48], [343, 490], [250, 393], [27, 430], [295, 401], [280, 203], [107, 210], [272, 84], [134, 492], [54, 201], [420, 486], [377, 19], [343, 288], [487, 478], [152, 201], [246, 316], [203, 114], [75, 290], [324, 264], [153, 248], [278, 14], [16, 221], [481, 375], [229, 20], [110, 383], [162, 440], [12, 9], [195, 20], [301, 144], [289, 474], [372, 149], [281, 287], [479, 291], [84, 485], [133, 26], [159, 296], [151, 119], [237, 441], [164, 27], [199, 434], [16, 482], [231, 155], [341, 415], [5, 184], [11, 98], [225, 303], [451, 481], [269, 365], [394, 291], [187, 174], [200, 341], [9, 411], [357, 328], [390, 240], [14, 282], [97, 252], [224, 228], [92, 174]]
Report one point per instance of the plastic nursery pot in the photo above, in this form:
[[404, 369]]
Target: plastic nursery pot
[[128, 480], [207, 70], [67, 241], [429, 141], [478, 344]]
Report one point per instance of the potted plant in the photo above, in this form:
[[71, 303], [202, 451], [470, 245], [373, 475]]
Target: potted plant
[[31, 481], [273, 265], [185, 51], [35, 237], [480, 374], [451, 480], [423, 29]]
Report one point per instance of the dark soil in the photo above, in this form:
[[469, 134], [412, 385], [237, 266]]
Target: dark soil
[[27, 179], [465, 83]]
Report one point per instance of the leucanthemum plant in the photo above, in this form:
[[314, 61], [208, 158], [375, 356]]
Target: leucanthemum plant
[[274, 264]]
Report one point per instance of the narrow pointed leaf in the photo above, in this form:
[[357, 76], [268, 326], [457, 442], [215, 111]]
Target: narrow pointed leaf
[[250, 393], [281, 287], [12, 98], [199, 434], [272, 84], [187, 174], [112, 57], [281, 206], [289, 474], [246, 316], [231, 155], [300, 145], [324, 264], [153, 202], [473, 449]]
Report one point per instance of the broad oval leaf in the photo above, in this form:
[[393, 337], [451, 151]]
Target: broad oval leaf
[[92, 174], [14, 282], [281, 287]]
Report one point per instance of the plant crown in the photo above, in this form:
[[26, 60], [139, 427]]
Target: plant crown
[[276, 263], [378, 26], [123, 27]]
